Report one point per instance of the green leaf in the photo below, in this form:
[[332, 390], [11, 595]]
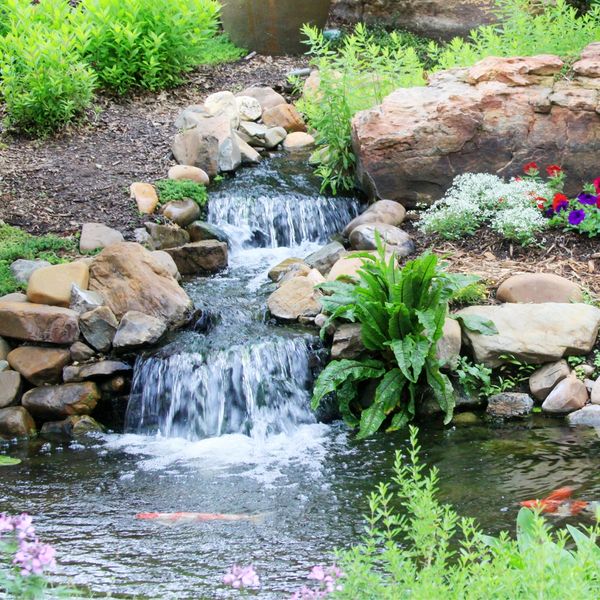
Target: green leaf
[[370, 420], [477, 323], [7, 461], [400, 420], [346, 393], [374, 321], [411, 355], [442, 390], [389, 390]]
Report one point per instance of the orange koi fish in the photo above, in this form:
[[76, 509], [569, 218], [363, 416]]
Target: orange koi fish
[[559, 502], [194, 516]]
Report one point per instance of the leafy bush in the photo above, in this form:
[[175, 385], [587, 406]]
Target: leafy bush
[[181, 189], [402, 314], [15, 243], [416, 547], [43, 81], [145, 43]]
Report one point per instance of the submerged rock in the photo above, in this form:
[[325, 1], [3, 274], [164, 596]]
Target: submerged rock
[[509, 405], [73, 426]]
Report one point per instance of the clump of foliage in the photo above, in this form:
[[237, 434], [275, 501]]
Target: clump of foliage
[[181, 189], [416, 547], [472, 293], [353, 77], [402, 314], [16, 243]]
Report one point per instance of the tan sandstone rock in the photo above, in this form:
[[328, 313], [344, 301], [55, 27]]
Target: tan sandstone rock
[[569, 395], [295, 298], [145, 197], [189, 173], [39, 365], [52, 285], [286, 116], [539, 287]]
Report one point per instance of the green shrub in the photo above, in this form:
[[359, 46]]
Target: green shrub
[[181, 189], [219, 49], [145, 43], [417, 548], [402, 314], [16, 243]]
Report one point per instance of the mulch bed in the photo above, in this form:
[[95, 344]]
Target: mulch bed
[[83, 173]]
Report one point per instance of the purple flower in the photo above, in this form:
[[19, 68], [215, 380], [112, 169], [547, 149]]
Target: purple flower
[[549, 213], [326, 577], [241, 577], [6, 523], [34, 557], [587, 199], [576, 216], [562, 206]]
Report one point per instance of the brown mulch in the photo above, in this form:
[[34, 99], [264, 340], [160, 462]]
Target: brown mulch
[[83, 173]]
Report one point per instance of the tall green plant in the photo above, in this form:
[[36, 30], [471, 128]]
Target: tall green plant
[[402, 314]]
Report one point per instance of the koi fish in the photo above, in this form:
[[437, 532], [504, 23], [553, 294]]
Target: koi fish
[[559, 503], [177, 517]]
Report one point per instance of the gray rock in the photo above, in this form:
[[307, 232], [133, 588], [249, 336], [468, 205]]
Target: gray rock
[[249, 155], [449, 345], [569, 395], [209, 256], [223, 103], [22, 269], [181, 212], [382, 211], [533, 333], [98, 327], [4, 349], [72, 427], [167, 236], [261, 136], [200, 231], [190, 115], [589, 415], [249, 108], [395, 239], [324, 258], [16, 422], [141, 236], [84, 300], [138, 329], [299, 72], [165, 260], [10, 388], [266, 96], [81, 352], [429, 406], [347, 342], [509, 405], [97, 235], [274, 137], [96, 370], [58, 401], [595, 393], [4, 366], [543, 380]]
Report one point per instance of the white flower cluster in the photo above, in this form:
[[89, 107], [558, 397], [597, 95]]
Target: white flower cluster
[[475, 199]]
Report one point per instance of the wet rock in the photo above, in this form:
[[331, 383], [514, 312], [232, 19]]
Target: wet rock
[[145, 197], [73, 426], [4, 349], [84, 300], [97, 370], [14, 297], [38, 323], [115, 385], [395, 239], [296, 297], [97, 235], [277, 272], [59, 401], [249, 155], [266, 96], [569, 395], [81, 352], [324, 258], [429, 406], [261, 136], [52, 285], [129, 278], [138, 329], [298, 141], [509, 405], [347, 342], [533, 333], [200, 231], [465, 418], [448, 347], [589, 415], [165, 260], [209, 256], [295, 270], [16, 422], [286, 116], [382, 211], [98, 327], [249, 108], [39, 365], [10, 388], [166, 236], [223, 103], [182, 212], [188, 173], [539, 287], [22, 269], [543, 380]]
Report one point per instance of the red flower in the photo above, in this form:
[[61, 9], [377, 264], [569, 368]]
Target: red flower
[[553, 170], [530, 167], [597, 185], [559, 201], [598, 202], [541, 202]]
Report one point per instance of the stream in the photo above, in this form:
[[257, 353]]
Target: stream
[[219, 421]]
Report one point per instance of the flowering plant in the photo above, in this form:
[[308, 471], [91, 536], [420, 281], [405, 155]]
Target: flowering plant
[[23, 558]]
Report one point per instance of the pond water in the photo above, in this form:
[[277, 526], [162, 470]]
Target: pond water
[[218, 421]]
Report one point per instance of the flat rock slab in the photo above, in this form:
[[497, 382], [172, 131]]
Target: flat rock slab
[[59, 401], [52, 285], [509, 405], [97, 370], [539, 287], [533, 333], [16, 422], [38, 323], [208, 256], [39, 365]]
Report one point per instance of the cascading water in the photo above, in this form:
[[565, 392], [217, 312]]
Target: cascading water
[[236, 373]]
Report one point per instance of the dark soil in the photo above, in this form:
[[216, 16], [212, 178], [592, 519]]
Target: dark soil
[[83, 174]]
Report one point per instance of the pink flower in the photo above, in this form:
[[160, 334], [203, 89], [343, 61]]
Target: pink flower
[[241, 577]]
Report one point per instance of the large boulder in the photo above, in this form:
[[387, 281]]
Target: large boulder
[[129, 278], [16, 422], [493, 117], [539, 287], [38, 323], [62, 401], [295, 298], [208, 256], [534, 333], [52, 285], [382, 211], [39, 365]]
